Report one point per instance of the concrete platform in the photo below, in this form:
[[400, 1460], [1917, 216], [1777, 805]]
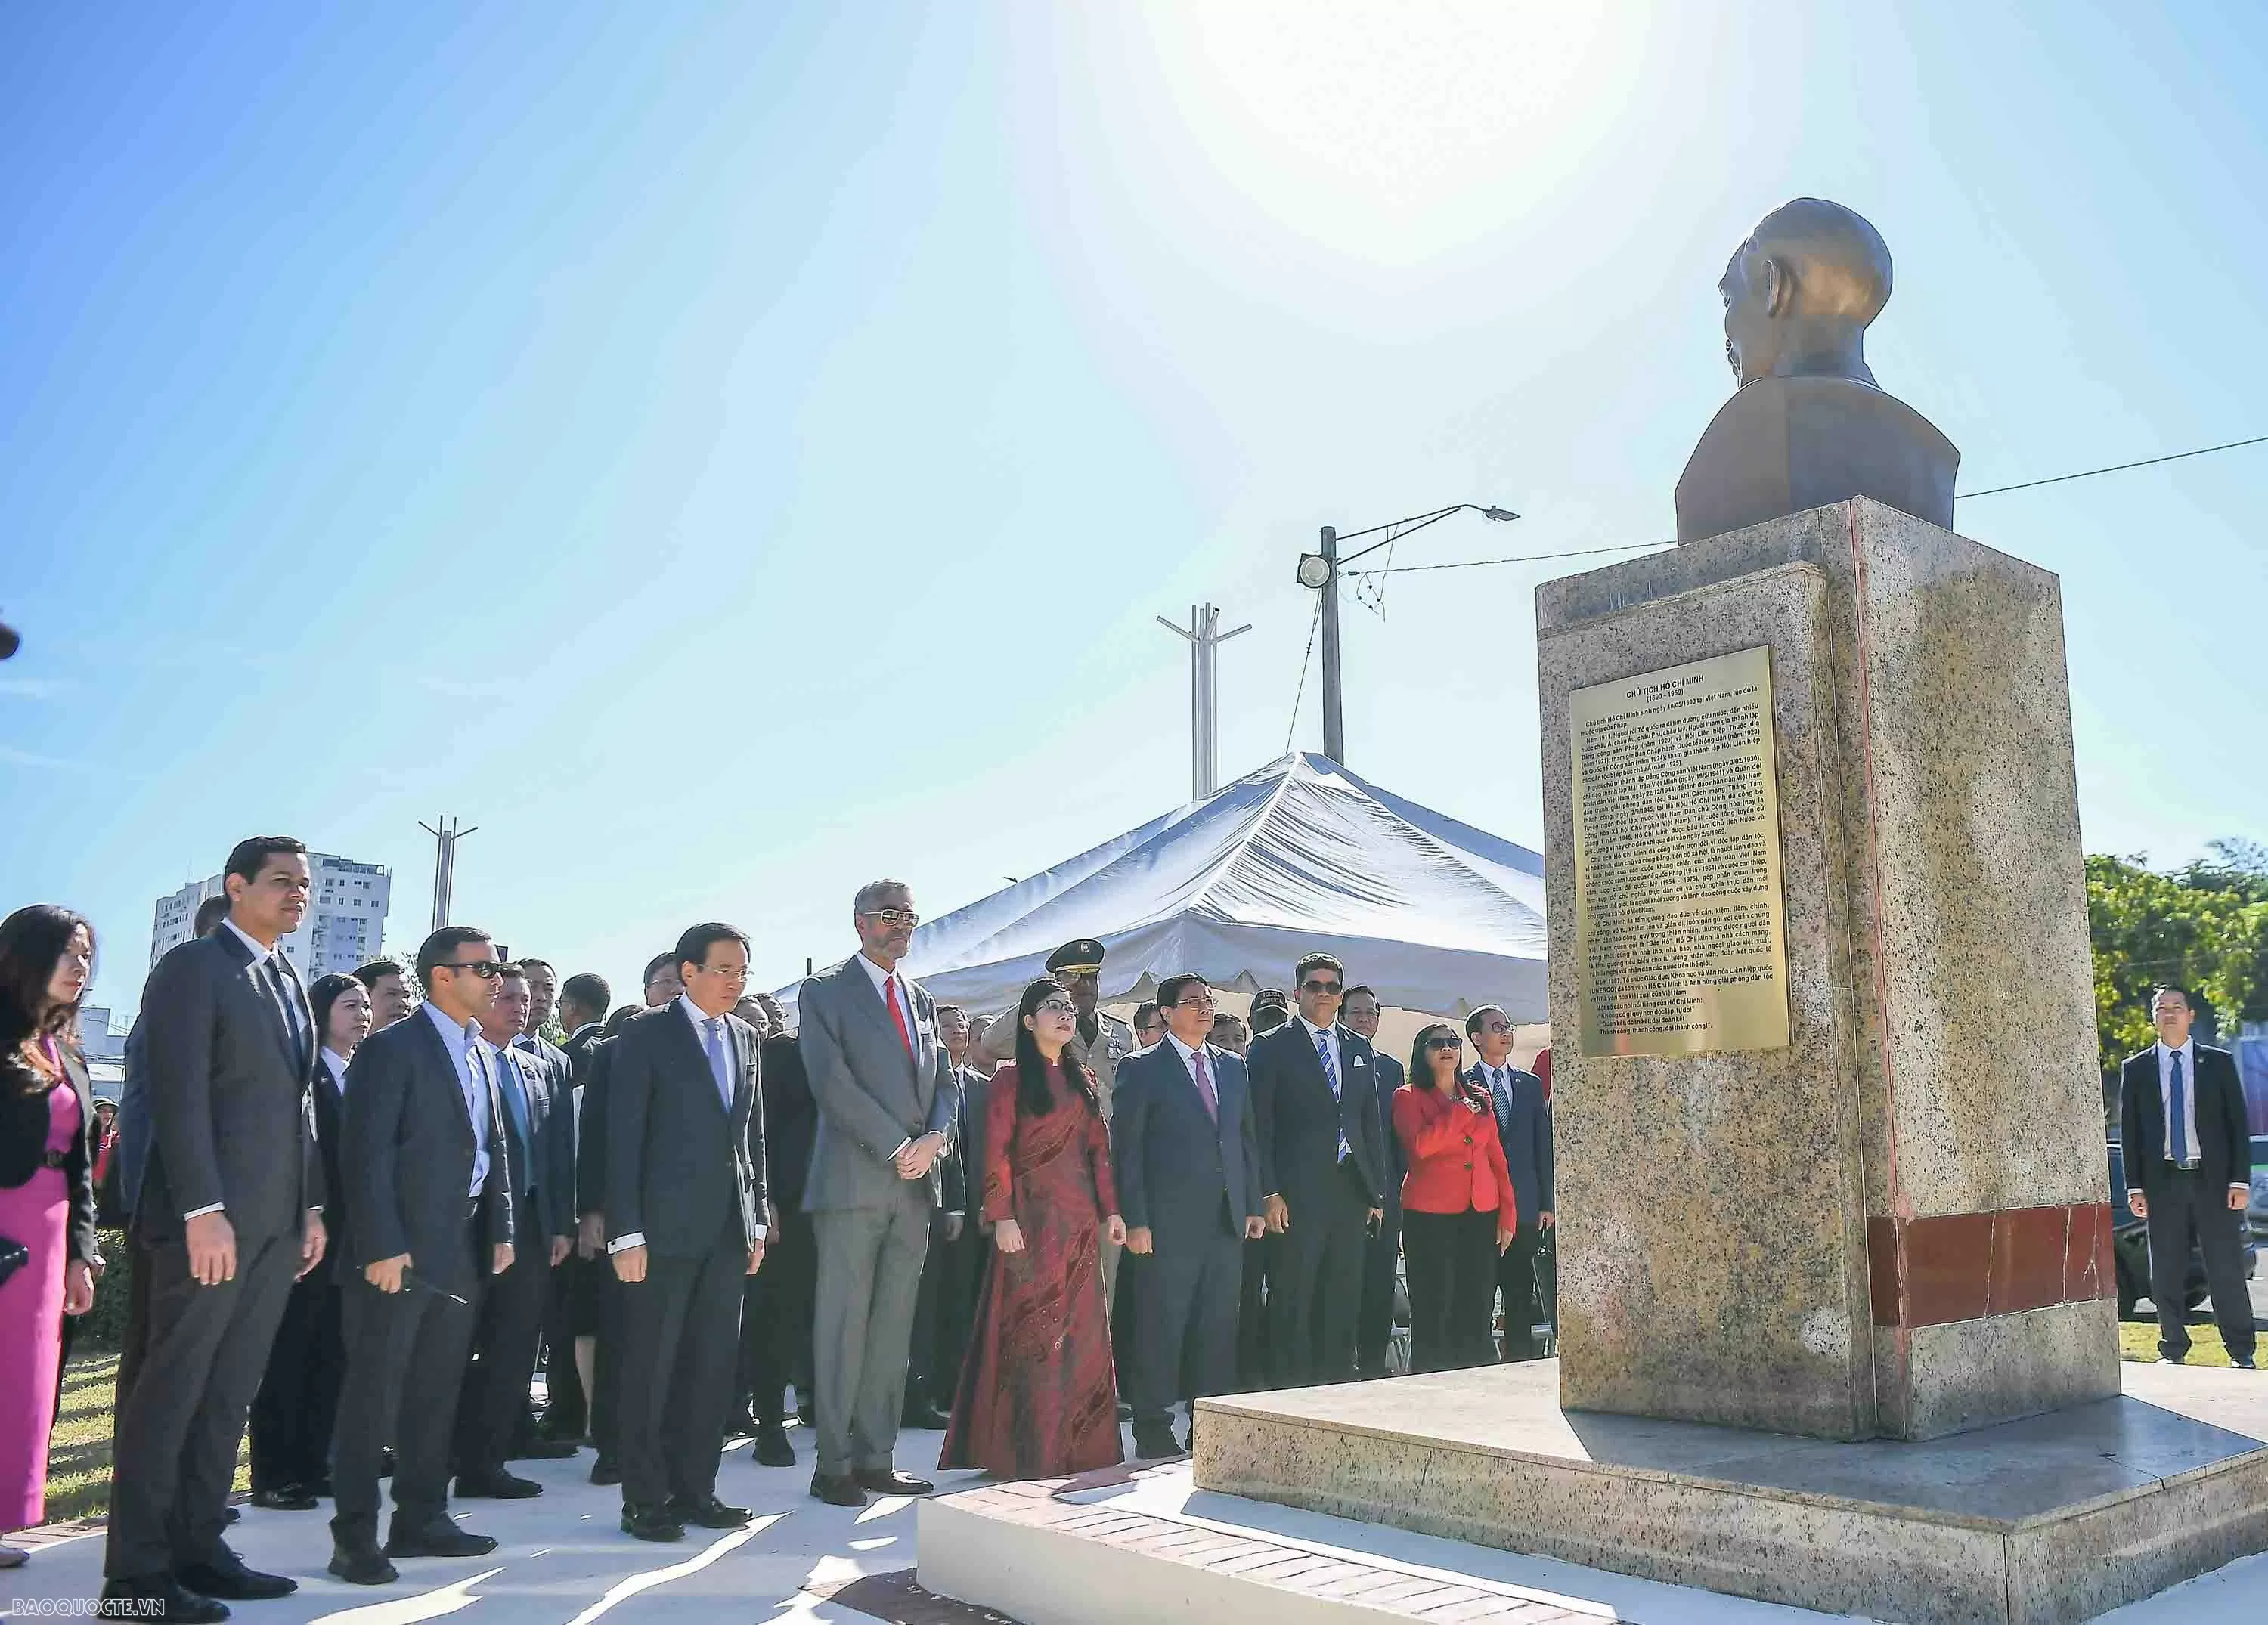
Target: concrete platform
[[2041, 1521]]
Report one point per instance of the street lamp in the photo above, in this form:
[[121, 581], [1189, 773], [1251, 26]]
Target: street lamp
[[1319, 573]]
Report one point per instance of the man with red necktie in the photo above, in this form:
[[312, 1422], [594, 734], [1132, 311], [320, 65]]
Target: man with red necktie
[[885, 1089]]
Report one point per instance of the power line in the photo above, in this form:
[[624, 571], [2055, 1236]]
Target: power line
[[2089, 473], [1300, 693], [1993, 490]]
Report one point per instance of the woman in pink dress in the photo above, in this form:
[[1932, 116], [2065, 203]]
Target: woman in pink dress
[[47, 1190]]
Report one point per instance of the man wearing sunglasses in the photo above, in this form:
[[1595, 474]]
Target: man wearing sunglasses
[[1523, 1123], [425, 1156], [885, 1089], [1322, 1165]]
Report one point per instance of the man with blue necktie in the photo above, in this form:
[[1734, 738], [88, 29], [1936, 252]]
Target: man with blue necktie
[[1523, 1124], [685, 1228], [2188, 1172], [1323, 1166]]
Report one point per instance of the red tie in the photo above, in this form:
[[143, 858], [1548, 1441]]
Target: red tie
[[899, 1016]]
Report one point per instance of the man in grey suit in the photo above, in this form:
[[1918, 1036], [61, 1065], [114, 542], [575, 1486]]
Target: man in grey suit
[[885, 1089], [227, 1215]]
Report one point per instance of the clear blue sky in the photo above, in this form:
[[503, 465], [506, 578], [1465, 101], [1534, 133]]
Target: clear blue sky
[[729, 451]]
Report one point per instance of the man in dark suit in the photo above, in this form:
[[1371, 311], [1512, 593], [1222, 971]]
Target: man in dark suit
[[228, 1214], [2188, 1172], [685, 1228], [569, 1327], [1187, 1162], [492, 1403], [885, 1092], [428, 1215], [1323, 1167], [1523, 1124], [132, 1156], [776, 1312], [1270, 1009], [1374, 1329], [388, 983], [662, 984], [933, 1371]]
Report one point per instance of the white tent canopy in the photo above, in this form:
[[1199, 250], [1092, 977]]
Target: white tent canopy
[[1302, 855]]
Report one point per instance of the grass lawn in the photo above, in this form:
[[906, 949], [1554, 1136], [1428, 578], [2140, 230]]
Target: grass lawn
[[78, 1457], [2138, 1339]]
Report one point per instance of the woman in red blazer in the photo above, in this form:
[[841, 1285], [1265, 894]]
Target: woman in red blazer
[[1456, 1201]]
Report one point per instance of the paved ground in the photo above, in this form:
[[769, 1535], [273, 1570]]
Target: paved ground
[[562, 1560]]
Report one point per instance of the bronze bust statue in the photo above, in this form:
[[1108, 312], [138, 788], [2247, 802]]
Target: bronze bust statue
[[1808, 426]]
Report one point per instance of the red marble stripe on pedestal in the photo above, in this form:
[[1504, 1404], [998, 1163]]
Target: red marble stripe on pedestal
[[1965, 1266]]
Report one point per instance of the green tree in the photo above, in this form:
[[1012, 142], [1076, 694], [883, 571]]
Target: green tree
[[2203, 927]]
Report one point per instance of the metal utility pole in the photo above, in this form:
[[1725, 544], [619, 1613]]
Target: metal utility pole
[[1204, 638], [1334, 715], [445, 864], [1319, 573]]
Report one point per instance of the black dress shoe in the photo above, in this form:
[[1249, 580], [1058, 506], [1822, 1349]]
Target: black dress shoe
[[741, 1424], [157, 1597], [924, 1417], [229, 1515], [772, 1448], [804, 1412], [229, 1577], [890, 1482], [542, 1449], [1155, 1442], [1125, 1411], [606, 1470], [706, 1513], [385, 1463], [497, 1487], [2242, 1362], [438, 1539], [838, 1491], [363, 1566], [286, 1498], [651, 1523]]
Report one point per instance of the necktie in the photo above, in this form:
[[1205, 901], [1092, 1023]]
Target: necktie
[[2178, 1128], [897, 1015], [285, 1004], [719, 1068], [515, 1105], [1198, 1071], [1331, 1076]]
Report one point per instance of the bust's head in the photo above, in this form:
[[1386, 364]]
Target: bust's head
[[1799, 292]]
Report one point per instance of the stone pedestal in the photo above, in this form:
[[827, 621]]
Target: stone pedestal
[[1897, 1225]]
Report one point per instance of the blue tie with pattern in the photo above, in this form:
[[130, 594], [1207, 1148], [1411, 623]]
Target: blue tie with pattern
[[1331, 1076], [719, 1066], [2177, 1114]]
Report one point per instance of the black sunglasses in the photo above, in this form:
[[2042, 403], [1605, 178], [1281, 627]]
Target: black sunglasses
[[486, 970], [1443, 1040], [1313, 986]]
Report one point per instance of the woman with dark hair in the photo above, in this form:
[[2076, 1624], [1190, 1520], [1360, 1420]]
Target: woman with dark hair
[[1456, 1200], [1038, 1397], [298, 1403], [47, 1190]]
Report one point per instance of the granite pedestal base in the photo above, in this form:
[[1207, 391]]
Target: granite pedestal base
[[2050, 1520]]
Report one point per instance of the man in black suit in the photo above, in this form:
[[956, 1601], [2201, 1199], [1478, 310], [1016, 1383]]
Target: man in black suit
[[662, 984], [492, 1403], [2188, 1172], [1374, 1327], [1188, 1163], [1270, 1010], [1523, 1124], [686, 1228], [429, 1214], [933, 1371], [571, 1323], [227, 1214], [1323, 1168], [388, 983]]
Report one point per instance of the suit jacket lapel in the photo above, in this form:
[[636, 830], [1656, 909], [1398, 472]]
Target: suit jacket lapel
[[692, 1041], [439, 1047]]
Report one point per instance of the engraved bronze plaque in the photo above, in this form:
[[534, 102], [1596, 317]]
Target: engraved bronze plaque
[[1680, 931]]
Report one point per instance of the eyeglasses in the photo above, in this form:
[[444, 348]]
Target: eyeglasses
[[1314, 985], [1062, 1007], [486, 970], [1444, 1041], [895, 916], [1194, 1000], [728, 972], [1496, 1026]]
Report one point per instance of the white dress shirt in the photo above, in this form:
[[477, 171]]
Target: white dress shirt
[[903, 1001], [336, 1063], [475, 1059]]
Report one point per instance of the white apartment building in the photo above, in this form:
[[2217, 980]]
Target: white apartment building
[[345, 922]]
